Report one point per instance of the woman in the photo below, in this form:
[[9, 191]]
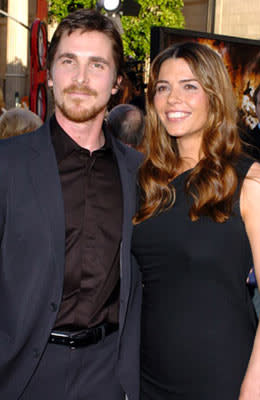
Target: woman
[[195, 234]]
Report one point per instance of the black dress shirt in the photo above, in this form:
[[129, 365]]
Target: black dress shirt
[[92, 195]]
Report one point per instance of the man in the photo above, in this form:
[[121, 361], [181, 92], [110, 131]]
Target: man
[[69, 300], [253, 136], [256, 131], [126, 122]]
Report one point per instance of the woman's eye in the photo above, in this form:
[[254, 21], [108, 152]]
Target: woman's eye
[[189, 86], [161, 88]]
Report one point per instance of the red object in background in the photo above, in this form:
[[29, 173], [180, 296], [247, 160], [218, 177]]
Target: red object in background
[[42, 10], [38, 72]]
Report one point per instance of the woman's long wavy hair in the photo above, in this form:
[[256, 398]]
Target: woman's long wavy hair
[[213, 181]]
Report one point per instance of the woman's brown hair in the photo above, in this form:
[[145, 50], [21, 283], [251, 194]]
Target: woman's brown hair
[[213, 181]]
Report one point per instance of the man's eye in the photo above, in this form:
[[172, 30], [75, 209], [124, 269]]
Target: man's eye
[[67, 61], [98, 65]]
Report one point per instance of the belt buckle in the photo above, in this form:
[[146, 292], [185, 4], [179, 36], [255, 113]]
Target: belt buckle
[[75, 335]]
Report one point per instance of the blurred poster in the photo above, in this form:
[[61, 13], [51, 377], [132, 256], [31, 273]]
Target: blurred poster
[[241, 57]]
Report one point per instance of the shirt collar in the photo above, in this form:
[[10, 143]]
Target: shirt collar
[[64, 145]]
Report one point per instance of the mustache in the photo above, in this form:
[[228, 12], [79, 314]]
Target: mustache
[[80, 89]]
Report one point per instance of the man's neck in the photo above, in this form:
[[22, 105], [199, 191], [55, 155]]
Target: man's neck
[[88, 135]]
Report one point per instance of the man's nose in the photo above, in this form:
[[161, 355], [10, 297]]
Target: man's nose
[[81, 74]]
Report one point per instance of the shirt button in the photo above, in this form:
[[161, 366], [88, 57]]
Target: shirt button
[[54, 307], [90, 237]]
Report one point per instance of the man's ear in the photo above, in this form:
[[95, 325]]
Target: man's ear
[[49, 79], [116, 86]]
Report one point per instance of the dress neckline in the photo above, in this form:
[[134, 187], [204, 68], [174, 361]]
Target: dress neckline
[[177, 177]]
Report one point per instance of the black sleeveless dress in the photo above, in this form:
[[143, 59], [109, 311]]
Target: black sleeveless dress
[[198, 320]]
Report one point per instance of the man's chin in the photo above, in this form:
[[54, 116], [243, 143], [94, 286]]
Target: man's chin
[[80, 115]]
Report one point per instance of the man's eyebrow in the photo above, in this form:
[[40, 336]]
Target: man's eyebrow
[[67, 55], [99, 59], [73, 56]]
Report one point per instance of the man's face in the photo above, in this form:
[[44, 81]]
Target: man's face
[[83, 75], [257, 107]]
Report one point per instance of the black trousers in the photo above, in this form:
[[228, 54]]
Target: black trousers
[[87, 373]]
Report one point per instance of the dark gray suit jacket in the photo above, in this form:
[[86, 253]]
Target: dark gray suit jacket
[[32, 233]]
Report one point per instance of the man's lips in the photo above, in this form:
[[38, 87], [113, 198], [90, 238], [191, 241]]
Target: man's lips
[[78, 94]]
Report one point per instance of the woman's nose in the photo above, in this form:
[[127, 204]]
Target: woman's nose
[[174, 96]]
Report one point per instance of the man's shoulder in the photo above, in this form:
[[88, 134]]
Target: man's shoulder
[[131, 152], [131, 157], [30, 139], [126, 150]]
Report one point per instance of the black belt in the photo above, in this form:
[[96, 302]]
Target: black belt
[[84, 337]]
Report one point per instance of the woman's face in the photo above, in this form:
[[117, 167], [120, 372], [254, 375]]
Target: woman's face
[[180, 101]]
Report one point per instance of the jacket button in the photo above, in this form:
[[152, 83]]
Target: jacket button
[[36, 353], [54, 307]]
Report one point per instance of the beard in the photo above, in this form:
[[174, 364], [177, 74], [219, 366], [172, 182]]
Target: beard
[[75, 110]]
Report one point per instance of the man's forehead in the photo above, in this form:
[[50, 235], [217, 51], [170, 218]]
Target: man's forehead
[[66, 35], [97, 39]]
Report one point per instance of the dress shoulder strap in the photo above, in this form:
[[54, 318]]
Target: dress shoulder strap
[[243, 165]]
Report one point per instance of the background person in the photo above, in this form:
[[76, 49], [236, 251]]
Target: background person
[[126, 122], [2, 102], [251, 137], [17, 121], [69, 301], [255, 133], [196, 233]]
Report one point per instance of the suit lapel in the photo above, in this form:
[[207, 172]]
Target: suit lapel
[[47, 187], [128, 165]]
